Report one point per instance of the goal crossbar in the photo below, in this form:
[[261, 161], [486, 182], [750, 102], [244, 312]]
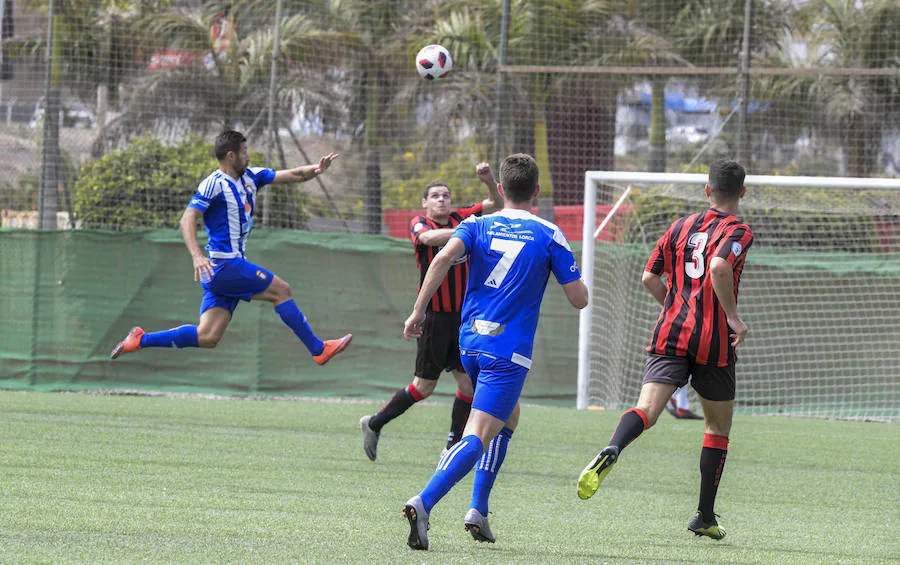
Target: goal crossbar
[[626, 179]]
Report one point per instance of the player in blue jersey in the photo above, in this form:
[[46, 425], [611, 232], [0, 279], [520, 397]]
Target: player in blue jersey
[[225, 201], [511, 255]]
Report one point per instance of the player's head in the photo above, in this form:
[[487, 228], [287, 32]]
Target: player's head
[[231, 149], [519, 178], [436, 199], [726, 181]]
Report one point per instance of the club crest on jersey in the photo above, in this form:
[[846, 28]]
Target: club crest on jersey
[[261, 275], [736, 248], [418, 227]]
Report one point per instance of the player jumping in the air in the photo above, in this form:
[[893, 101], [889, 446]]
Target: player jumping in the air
[[702, 256], [225, 201], [511, 255]]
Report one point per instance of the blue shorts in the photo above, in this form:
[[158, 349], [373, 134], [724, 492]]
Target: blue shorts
[[497, 382], [234, 280]]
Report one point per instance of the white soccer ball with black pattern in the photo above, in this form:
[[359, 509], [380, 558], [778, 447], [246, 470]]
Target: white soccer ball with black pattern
[[433, 61]]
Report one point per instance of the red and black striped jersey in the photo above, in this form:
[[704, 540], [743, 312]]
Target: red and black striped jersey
[[692, 322], [449, 296]]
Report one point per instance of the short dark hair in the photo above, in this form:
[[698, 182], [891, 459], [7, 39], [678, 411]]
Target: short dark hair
[[726, 179], [432, 184], [519, 177], [229, 140]]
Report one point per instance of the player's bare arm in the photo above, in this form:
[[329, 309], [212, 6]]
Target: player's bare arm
[[494, 201], [655, 285], [577, 293], [722, 276], [203, 266], [437, 271], [436, 238], [306, 172]]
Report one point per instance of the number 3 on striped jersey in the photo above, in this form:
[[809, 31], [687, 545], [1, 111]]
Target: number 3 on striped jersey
[[510, 250], [697, 265]]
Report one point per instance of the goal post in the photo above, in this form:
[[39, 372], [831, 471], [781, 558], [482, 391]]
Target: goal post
[[818, 291]]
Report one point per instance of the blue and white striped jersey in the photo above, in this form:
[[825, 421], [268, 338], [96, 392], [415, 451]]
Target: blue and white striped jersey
[[511, 255], [227, 205]]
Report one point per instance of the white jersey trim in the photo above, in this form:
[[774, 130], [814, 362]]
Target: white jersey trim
[[521, 360]]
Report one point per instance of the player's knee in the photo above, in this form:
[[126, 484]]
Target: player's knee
[[426, 389], [284, 289], [279, 291], [652, 417], [208, 340], [718, 428]]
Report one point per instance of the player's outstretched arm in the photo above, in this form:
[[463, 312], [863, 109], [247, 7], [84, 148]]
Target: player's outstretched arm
[[306, 172], [494, 201], [722, 276], [203, 266], [655, 285], [577, 293], [437, 271]]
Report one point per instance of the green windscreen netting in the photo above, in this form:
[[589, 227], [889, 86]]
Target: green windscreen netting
[[68, 297]]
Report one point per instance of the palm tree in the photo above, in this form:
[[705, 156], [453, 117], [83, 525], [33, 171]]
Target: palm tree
[[220, 89], [706, 33], [382, 81], [92, 47], [225, 85], [852, 109]]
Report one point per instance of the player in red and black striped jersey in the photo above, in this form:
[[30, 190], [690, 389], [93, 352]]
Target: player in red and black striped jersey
[[701, 256], [438, 347]]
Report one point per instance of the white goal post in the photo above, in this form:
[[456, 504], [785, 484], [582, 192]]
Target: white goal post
[[829, 226]]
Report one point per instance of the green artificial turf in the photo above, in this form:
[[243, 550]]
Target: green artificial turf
[[113, 479]]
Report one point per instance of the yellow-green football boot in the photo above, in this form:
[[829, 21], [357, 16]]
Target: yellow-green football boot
[[710, 529], [593, 474]]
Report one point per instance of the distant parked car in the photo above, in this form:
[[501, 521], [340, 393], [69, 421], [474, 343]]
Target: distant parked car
[[72, 117], [686, 134]]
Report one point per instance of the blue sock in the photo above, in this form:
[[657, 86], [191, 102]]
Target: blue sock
[[453, 466], [294, 318], [182, 336], [487, 470]]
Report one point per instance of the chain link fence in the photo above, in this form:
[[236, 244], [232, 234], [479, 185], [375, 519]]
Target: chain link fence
[[118, 101]]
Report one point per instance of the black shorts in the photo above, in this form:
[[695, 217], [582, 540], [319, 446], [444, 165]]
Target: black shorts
[[710, 381], [438, 349]]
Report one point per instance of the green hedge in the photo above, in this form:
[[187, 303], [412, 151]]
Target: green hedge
[[142, 186], [148, 184]]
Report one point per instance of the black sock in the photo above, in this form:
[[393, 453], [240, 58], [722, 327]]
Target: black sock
[[630, 427], [398, 404], [712, 461], [458, 417]]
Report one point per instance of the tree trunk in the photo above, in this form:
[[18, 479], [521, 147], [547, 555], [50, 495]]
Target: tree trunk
[[49, 203], [861, 157], [581, 124], [542, 153], [372, 203], [372, 199], [656, 160]]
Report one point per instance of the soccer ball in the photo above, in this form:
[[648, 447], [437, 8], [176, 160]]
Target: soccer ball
[[433, 61]]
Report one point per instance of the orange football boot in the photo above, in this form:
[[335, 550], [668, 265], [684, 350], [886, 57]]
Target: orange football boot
[[130, 344], [332, 348]]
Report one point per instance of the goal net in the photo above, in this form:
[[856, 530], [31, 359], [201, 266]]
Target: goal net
[[818, 291]]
